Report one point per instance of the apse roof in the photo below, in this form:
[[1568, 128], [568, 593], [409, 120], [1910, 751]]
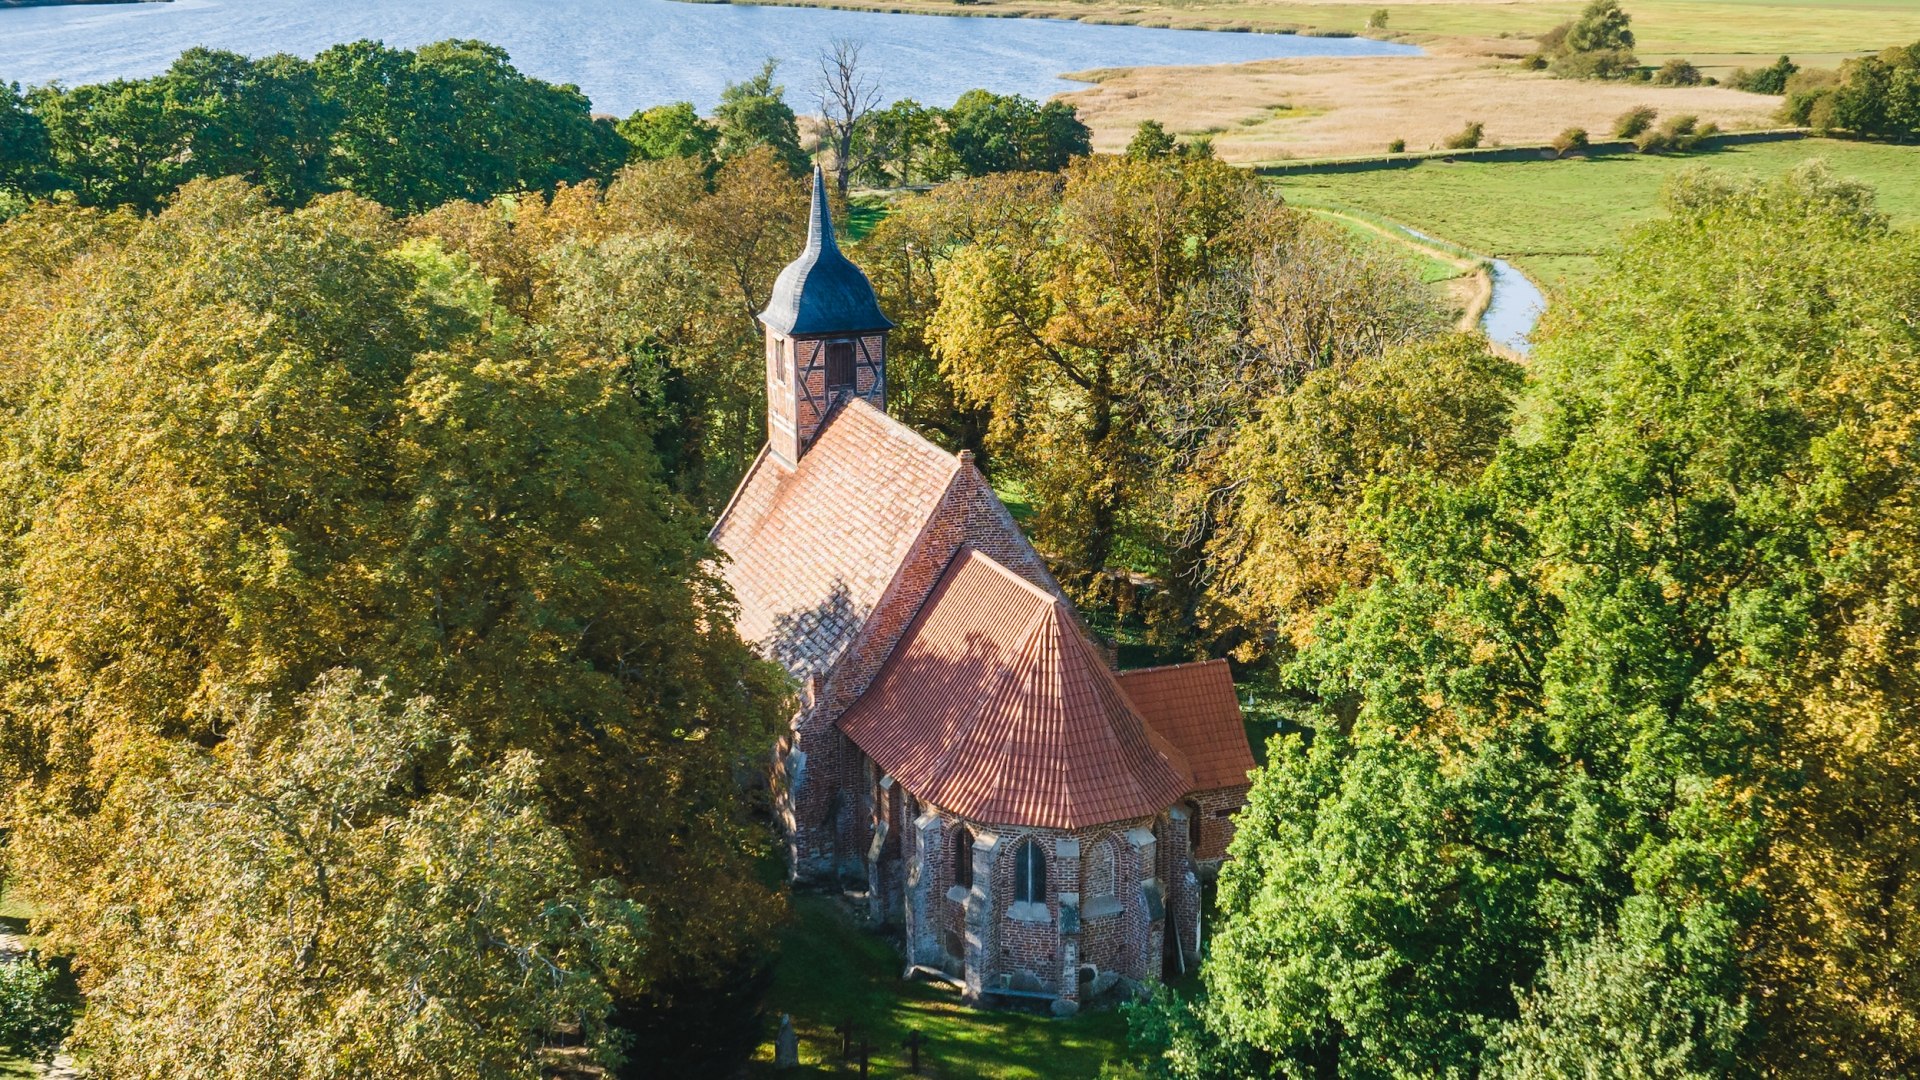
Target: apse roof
[[821, 292], [996, 707]]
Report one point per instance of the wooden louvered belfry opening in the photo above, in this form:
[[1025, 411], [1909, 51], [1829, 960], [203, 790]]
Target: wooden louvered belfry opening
[[840, 365]]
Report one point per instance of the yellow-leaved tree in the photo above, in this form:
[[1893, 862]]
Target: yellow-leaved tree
[[252, 446]]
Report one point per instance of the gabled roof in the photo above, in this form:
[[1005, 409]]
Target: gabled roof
[[1194, 707], [812, 547], [821, 292], [996, 707]]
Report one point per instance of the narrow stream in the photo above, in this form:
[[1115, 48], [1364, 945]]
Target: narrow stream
[[1515, 306]]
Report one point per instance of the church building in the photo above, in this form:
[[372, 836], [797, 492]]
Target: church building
[[1037, 823]]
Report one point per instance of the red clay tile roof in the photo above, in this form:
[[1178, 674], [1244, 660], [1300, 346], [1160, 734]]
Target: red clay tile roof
[[996, 707], [811, 548], [1194, 707]]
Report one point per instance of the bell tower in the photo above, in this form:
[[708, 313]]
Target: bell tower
[[826, 337]]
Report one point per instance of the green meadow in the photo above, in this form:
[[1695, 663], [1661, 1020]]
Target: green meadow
[[1557, 220]]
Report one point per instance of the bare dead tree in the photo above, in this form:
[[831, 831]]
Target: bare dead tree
[[848, 95]]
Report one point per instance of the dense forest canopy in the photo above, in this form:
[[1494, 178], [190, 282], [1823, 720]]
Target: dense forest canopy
[[1609, 765], [413, 129], [368, 695]]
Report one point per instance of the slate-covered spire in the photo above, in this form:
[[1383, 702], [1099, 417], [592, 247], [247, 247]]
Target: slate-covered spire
[[821, 293]]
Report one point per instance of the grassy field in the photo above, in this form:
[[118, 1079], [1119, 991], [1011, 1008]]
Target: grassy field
[[1555, 219], [832, 971]]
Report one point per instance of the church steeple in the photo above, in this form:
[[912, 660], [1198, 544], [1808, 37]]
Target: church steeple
[[826, 336]]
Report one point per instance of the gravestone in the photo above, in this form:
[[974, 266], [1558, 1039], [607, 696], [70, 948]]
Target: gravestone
[[786, 1045]]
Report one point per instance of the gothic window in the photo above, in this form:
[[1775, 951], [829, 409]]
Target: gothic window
[[839, 365], [1193, 826], [1030, 874], [1100, 870], [963, 857]]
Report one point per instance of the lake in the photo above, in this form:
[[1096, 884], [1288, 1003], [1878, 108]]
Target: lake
[[628, 54]]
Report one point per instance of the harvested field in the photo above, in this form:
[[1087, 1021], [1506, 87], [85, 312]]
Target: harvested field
[[1275, 109]]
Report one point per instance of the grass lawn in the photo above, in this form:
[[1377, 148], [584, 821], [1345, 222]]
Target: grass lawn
[[831, 971], [1555, 219]]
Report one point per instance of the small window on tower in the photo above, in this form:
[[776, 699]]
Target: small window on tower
[[839, 365]]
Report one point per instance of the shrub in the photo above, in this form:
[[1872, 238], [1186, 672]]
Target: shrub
[[1151, 140], [33, 1018], [1631, 123], [1771, 79], [1678, 135], [1377, 20], [1468, 138], [1536, 62], [1805, 91], [1570, 140], [1397, 146], [1677, 72], [1554, 41], [1595, 64]]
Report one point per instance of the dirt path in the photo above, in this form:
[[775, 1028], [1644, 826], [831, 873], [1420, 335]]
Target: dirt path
[[1472, 271]]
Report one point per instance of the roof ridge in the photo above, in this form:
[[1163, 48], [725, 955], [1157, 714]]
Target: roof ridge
[[1170, 667], [850, 402]]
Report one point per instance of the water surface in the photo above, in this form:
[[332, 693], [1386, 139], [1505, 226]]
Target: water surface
[[1515, 308], [628, 54]]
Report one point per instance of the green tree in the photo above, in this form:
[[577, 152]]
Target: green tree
[[1602, 25], [1593, 756], [119, 142], [989, 133], [263, 120], [755, 113], [291, 905], [1150, 141], [34, 1021], [898, 143], [311, 444], [455, 120], [1771, 79], [26, 160], [669, 131], [1597, 45]]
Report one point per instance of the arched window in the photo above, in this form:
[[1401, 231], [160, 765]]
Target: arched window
[[963, 857], [1030, 874], [1193, 826]]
